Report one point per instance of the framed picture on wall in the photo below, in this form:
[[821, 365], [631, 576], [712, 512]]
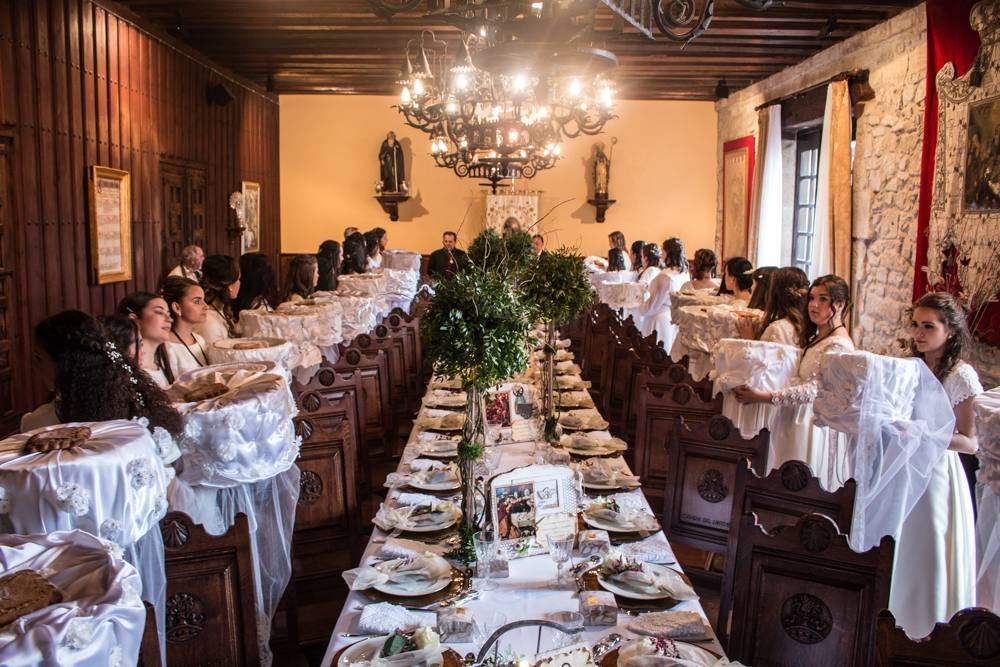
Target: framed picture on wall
[[110, 224], [737, 184], [251, 217]]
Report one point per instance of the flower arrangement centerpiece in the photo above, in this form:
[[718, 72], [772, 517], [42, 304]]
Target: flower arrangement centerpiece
[[476, 330], [556, 290]]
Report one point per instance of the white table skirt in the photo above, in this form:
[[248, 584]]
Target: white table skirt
[[525, 589]]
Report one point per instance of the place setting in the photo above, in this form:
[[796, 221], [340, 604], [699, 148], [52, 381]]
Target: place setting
[[413, 581], [445, 399], [399, 649], [426, 519], [637, 586], [437, 445], [607, 475], [441, 421], [585, 444], [588, 419], [623, 524]]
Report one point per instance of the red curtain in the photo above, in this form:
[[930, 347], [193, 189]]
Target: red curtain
[[949, 39]]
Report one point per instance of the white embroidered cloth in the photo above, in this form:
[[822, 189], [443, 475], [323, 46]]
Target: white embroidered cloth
[[361, 313], [306, 328], [759, 365], [362, 284], [401, 259], [899, 423], [244, 435], [99, 621], [253, 350], [622, 294], [987, 406], [113, 485], [699, 330]]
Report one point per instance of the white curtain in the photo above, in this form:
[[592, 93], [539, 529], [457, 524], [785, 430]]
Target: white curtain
[[767, 204], [833, 225]]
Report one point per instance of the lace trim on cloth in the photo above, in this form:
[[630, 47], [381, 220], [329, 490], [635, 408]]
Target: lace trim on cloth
[[962, 383], [796, 394]]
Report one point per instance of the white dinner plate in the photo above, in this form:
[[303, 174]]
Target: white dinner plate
[[367, 649], [429, 527], [631, 593], [392, 588], [444, 453], [610, 487], [610, 527], [437, 486], [695, 654]]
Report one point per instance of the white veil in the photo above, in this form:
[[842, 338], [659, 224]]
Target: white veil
[[899, 422]]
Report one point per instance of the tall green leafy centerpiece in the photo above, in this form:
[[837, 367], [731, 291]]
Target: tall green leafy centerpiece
[[476, 329], [556, 291]]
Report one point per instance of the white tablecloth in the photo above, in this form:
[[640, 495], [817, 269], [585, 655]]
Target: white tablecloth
[[524, 594]]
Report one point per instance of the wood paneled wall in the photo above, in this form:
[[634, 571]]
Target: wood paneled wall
[[81, 85]]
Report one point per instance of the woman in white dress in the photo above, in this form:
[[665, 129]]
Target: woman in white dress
[[703, 269], [651, 256], [655, 312], [220, 278], [795, 434], [302, 278], [737, 279], [186, 350], [373, 251], [761, 277], [934, 573], [91, 379], [151, 315], [784, 309]]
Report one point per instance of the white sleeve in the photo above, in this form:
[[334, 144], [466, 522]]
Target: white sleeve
[[962, 383]]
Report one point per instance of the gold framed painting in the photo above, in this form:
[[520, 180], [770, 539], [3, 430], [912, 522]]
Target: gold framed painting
[[251, 217], [110, 224], [737, 184]]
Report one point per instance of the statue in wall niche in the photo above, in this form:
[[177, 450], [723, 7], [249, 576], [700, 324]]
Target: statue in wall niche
[[391, 170], [602, 169]]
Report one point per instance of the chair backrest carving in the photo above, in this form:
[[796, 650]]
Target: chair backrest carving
[[211, 605], [803, 597], [971, 639]]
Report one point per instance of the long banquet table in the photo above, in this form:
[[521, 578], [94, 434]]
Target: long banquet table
[[525, 594]]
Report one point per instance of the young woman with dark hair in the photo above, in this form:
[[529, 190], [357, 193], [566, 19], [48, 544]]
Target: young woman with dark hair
[[124, 333], [650, 259], [737, 278], [151, 315], [654, 313], [328, 260], [934, 569], [91, 379], [258, 284], [703, 271], [784, 309], [220, 278], [616, 241], [761, 284], [186, 350], [373, 251], [617, 260], [303, 274], [354, 254], [673, 255], [795, 434], [636, 253]]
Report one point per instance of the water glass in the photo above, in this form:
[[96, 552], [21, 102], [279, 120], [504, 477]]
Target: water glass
[[485, 542], [560, 550]]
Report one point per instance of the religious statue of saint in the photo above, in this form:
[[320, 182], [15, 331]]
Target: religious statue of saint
[[602, 172], [390, 159]]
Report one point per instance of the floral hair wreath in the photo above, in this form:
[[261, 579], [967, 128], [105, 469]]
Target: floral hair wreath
[[111, 351]]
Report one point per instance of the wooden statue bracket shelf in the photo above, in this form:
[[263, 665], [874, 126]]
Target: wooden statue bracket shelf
[[602, 204], [390, 201]]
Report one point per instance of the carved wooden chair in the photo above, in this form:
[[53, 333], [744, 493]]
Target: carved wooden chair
[[211, 605], [705, 474], [595, 354], [971, 639], [374, 395], [779, 499], [658, 403], [803, 597], [149, 648]]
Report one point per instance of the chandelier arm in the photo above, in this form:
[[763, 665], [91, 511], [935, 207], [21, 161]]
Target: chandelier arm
[[663, 21]]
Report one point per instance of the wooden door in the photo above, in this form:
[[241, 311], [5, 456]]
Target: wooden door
[[184, 210], [12, 402]]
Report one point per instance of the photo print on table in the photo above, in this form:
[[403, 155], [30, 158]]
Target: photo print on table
[[515, 515], [547, 494], [498, 408]]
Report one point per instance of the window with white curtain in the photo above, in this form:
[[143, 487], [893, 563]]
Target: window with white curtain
[[804, 211]]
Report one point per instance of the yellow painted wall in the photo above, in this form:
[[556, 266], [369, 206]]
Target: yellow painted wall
[[663, 175]]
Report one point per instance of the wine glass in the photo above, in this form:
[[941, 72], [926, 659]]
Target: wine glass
[[485, 542], [560, 550]]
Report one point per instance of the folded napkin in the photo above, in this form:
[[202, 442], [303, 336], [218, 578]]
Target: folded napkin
[[424, 471], [625, 518], [415, 516], [609, 472], [581, 419], [400, 547], [593, 440], [649, 550], [669, 624], [384, 617], [441, 447], [448, 421], [636, 575], [571, 381], [412, 573], [405, 498]]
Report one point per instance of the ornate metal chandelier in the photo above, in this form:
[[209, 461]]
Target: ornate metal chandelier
[[520, 86]]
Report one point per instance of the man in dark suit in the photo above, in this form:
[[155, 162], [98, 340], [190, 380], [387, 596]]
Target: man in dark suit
[[538, 245], [446, 261]]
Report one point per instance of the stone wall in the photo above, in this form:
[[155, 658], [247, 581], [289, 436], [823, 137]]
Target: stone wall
[[886, 169]]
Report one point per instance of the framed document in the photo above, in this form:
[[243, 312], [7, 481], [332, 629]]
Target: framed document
[[251, 217], [110, 225], [737, 184], [523, 497]]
